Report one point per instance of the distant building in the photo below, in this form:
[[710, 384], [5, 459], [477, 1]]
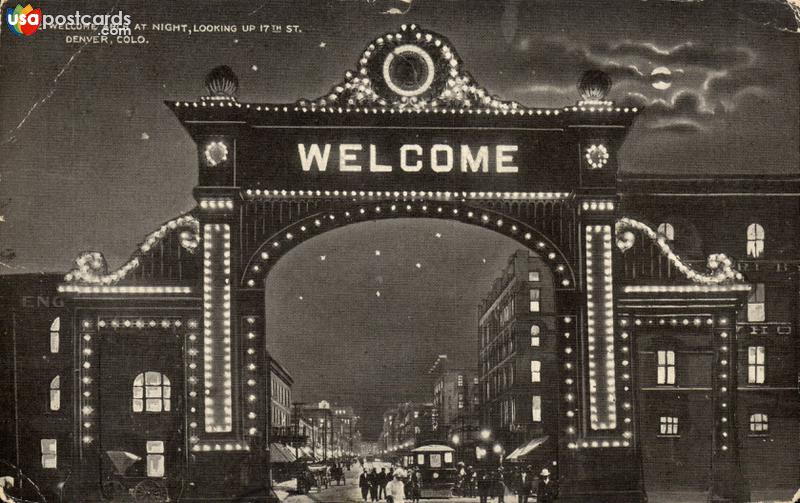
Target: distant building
[[456, 398], [281, 394], [406, 426], [518, 359]]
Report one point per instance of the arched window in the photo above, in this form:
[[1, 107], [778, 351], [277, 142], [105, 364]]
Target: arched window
[[759, 423], [151, 392], [667, 230], [755, 240], [535, 331], [55, 393], [55, 335]]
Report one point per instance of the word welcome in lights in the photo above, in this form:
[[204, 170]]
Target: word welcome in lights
[[410, 158]]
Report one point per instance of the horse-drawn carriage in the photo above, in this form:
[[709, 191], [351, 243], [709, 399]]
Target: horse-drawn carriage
[[120, 485]]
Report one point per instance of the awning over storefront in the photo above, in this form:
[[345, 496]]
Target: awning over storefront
[[279, 453], [526, 448]]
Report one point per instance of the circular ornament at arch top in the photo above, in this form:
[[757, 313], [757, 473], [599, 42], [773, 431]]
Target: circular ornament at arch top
[[408, 70]]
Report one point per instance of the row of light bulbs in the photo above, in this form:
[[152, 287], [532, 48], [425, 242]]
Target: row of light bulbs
[[720, 265], [512, 229], [405, 194], [87, 411], [90, 264], [600, 322], [217, 328], [312, 108]]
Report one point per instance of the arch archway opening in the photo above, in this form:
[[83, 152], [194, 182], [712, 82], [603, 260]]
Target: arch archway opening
[[385, 318]]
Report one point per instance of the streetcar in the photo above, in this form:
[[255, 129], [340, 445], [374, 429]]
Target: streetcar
[[437, 468]]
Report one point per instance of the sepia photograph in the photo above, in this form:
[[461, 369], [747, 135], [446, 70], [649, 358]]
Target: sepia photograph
[[400, 251]]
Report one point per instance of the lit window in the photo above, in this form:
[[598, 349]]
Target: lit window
[[460, 401], [475, 380], [535, 331], [756, 364], [151, 392], [755, 303], [448, 457], [155, 458], [49, 453], [460, 380], [668, 425], [55, 393], [55, 335], [534, 276], [667, 230], [536, 408], [755, 240], [535, 297], [666, 367], [536, 371], [759, 423]]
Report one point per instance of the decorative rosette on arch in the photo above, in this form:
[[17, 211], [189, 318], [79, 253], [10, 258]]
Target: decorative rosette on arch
[[720, 267], [411, 69]]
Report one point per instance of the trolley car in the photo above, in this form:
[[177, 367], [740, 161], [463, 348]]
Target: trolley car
[[436, 465]]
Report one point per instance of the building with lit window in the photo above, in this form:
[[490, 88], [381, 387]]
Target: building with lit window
[[280, 394], [756, 221], [518, 360], [456, 399], [645, 337], [407, 425]]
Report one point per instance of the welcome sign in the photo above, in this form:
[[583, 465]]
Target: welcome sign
[[439, 158]]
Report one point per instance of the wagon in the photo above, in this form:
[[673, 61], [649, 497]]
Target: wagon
[[121, 486]]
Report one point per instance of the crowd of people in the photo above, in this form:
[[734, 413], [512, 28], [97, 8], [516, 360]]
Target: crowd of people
[[496, 483], [395, 485]]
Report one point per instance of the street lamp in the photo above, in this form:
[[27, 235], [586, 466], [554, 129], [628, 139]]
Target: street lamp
[[485, 434], [456, 439]]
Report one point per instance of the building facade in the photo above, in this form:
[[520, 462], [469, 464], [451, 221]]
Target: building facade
[[519, 361], [679, 363], [280, 394], [456, 399], [406, 426], [155, 358]]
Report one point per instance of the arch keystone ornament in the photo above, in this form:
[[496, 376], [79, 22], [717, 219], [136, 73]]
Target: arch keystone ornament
[[408, 133]]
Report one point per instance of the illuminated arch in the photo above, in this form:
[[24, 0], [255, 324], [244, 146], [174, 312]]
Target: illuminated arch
[[269, 252]]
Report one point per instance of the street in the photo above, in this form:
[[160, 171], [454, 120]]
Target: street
[[350, 492]]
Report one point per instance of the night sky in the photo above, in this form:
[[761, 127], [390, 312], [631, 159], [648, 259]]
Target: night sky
[[91, 159]]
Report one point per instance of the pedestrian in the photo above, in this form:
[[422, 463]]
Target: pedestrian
[[416, 486], [472, 481], [525, 484], [395, 490], [484, 486], [363, 484], [499, 486], [373, 485], [547, 491], [383, 480]]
